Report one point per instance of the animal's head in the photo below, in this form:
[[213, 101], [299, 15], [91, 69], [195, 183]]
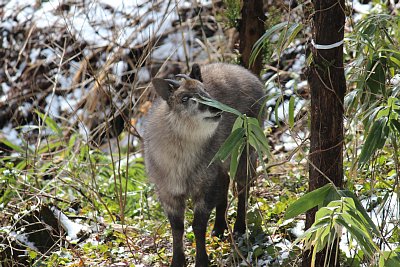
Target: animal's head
[[181, 97]]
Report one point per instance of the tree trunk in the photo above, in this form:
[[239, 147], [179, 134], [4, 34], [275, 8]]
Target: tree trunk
[[250, 30], [328, 85]]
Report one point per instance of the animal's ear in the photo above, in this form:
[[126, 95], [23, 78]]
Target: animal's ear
[[163, 88], [196, 73]]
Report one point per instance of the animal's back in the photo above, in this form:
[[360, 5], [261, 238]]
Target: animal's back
[[236, 87]]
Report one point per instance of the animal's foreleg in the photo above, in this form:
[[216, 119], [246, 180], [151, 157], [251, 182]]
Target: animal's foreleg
[[175, 209], [200, 221]]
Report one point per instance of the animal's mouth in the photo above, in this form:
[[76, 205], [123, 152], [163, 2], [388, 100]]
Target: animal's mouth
[[215, 116]]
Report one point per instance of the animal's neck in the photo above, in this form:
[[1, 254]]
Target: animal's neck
[[189, 130]]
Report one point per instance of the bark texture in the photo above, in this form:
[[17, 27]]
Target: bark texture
[[328, 85], [250, 30]]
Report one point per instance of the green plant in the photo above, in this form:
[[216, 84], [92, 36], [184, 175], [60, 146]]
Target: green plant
[[232, 12], [337, 210], [375, 97], [287, 33], [246, 132]]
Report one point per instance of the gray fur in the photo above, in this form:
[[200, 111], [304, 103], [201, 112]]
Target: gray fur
[[180, 139]]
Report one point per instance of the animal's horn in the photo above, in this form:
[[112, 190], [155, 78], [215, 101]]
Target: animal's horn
[[174, 83], [184, 76]]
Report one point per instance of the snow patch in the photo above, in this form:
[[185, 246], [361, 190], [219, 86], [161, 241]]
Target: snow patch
[[361, 8], [74, 230], [23, 239], [298, 229], [143, 74], [11, 134]]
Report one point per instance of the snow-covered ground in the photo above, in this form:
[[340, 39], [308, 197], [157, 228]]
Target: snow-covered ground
[[68, 39]]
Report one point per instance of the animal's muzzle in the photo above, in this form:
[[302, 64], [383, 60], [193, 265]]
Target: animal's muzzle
[[203, 107]]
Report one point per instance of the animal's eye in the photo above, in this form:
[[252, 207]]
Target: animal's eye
[[185, 99]]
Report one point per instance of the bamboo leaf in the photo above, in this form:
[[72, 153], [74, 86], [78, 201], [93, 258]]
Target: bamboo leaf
[[395, 61], [389, 259], [376, 80], [50, 123], [260, 138], [257, 47], [293, 31], [375, 140], [235, 157], [291, 112], [396, 125], [361, 209], [254, 143], [308, 201], [214, 103], [12, 146], [230, 143], [277, 104], [359, 235], [239, 123], [49, 146]]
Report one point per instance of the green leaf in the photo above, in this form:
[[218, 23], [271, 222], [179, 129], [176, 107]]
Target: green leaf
[[389, 259], [369, 30], [32, 254], [350, 99], [230, 143], [235, 157], [384, 112], [396, 125], [341, 212], [308, 201], [395, 61], [12, 146], [214, 103], [376, 139], [360, 208], [257, 47], [288, 36], [239, 123], [255, 143], [277, 104], [359, 235], [260, 138], [71, 144], [293, 31], [291, 112], [49, 146], [50, 123], [22, 165], [376, 79]]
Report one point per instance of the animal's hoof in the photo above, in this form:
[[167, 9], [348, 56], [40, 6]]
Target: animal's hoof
[[178, 260], [239, 229], [218, 233]]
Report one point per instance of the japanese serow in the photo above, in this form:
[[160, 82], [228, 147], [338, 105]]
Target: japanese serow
[[181, 137]]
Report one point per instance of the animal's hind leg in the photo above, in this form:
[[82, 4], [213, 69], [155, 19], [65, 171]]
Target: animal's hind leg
[[244, 175], [222, 204]]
